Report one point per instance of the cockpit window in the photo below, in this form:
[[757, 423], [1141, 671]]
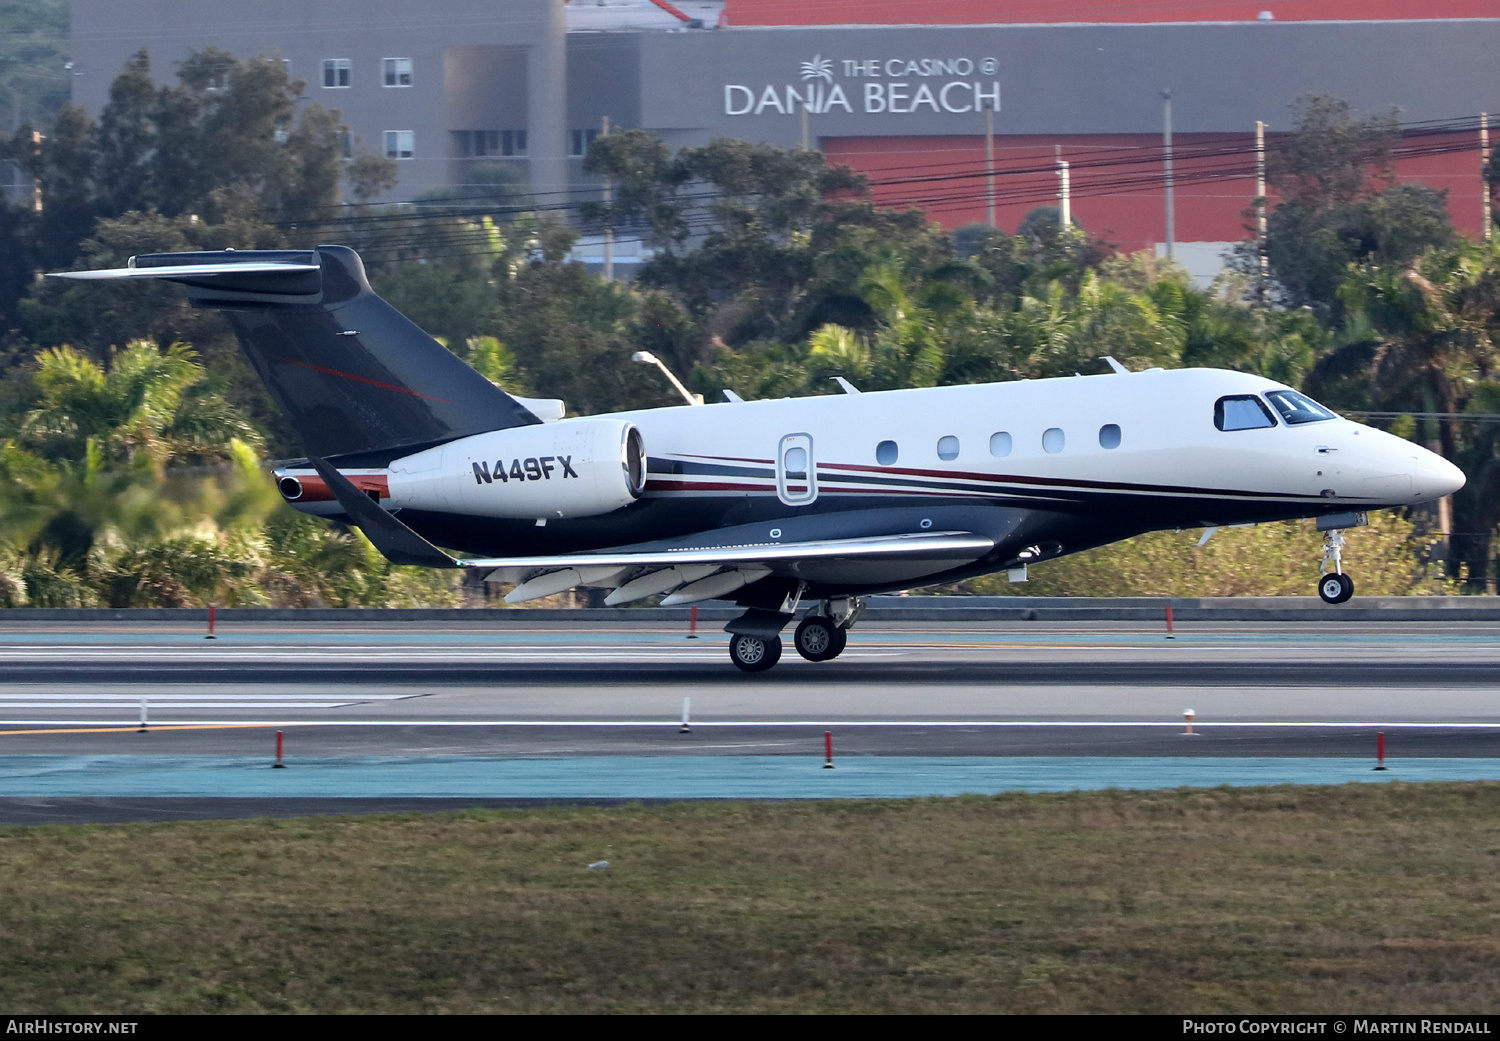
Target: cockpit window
[[1242, 412], [1298, 408]]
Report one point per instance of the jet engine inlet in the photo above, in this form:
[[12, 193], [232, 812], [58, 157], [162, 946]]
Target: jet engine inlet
[[634, 449]]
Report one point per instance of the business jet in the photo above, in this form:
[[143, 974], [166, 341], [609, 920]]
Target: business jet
[[774, 505]]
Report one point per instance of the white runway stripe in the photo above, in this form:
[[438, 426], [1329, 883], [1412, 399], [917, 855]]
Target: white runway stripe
[[170, 699], [594, 653], [825, 724]]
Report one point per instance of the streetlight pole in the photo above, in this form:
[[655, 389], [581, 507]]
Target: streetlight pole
[[647, 358]]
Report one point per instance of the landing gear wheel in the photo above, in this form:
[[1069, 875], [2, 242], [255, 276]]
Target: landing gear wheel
[[818, 639], [754, 653], [1335, 589]]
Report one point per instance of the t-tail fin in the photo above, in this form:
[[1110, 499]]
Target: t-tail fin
[[353, 375]]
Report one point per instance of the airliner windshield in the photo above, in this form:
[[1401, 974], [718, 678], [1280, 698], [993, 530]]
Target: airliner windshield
[[1298, 408]]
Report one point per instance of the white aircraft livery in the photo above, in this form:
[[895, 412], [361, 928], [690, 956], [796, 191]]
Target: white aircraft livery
[[771, 504]]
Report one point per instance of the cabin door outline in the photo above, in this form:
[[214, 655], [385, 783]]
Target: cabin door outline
[[794, 486]]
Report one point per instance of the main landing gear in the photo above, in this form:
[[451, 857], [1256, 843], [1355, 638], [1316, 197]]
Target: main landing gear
[[755, 640], [755, 653], [818, 639], [1334, 587]]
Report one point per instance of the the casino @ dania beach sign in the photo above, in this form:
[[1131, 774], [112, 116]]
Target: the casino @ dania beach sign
[[892, 86]]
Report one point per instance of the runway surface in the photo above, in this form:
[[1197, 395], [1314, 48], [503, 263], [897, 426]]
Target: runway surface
[[1279, 698]]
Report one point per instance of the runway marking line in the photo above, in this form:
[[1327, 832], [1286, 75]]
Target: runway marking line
[[154, 726], [106, 726]]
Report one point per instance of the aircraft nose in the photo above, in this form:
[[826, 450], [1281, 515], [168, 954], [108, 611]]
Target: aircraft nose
[[1436, 477]]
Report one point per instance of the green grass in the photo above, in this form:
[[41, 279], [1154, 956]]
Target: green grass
[[1368, 898]]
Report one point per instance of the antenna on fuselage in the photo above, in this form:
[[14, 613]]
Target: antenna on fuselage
[[1116, 367]]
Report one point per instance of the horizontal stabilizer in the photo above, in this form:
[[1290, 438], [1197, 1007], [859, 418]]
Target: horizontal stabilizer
[[395, 540], [222, 277]]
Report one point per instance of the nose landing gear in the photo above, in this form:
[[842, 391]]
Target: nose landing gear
[[1335, 587]]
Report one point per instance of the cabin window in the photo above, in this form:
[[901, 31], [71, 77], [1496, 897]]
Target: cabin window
[[1000, 444], [1298, 408], [948, 447], [1242, 412], [1053, 440], [886, 453], [1109, 435]]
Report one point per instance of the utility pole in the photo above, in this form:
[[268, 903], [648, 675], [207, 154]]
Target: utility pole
[[609, 224], [1484, 176], [989, 165], [1064, 194], [1166, 141], [1263, 286], [36, 182]]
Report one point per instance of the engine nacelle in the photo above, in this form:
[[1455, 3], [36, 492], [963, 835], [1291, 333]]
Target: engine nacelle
[[572, 468]]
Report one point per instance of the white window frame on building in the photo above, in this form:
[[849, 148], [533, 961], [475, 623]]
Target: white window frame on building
[[579, 141], [513, 143], [400, 144], [396, 72], [338, 73]]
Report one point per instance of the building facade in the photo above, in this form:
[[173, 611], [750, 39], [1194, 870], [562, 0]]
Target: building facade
[[963, 120]]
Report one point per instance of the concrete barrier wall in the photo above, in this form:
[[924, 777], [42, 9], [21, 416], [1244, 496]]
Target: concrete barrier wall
[[881, 608]]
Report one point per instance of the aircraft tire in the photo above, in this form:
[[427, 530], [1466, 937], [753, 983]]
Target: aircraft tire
[[754, 653], [1335, 589], [818, 639]]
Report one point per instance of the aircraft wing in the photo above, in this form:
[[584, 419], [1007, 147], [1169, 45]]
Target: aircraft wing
[[926, 545]]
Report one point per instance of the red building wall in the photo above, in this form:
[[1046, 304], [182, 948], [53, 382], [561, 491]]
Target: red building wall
[[980, 12], [1118, 183]]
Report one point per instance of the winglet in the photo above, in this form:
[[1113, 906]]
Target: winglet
[[395, 540]]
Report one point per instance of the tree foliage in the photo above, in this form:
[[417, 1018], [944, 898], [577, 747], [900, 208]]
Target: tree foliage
[[130, 459], [1342, 205]]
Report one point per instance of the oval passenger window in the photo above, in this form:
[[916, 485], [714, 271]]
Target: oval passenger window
[[1109, 435], [885, 453], [1000, 444], [1053, 440], [796, 461], [948, 447]]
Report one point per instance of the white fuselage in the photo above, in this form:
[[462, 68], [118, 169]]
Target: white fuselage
[[1087, 459], [1168, 446]]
